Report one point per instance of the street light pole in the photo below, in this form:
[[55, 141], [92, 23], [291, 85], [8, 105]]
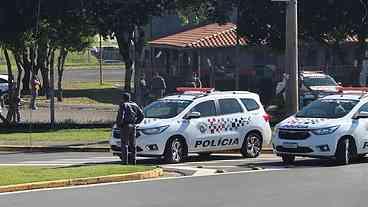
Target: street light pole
[[100, 63], [237, 49]]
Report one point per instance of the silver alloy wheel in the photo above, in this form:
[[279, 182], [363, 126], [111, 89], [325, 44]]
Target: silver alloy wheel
[[176, 150], [253, 145]]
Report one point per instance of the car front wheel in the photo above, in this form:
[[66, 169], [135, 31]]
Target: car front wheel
[[175, 151], [345, 152]]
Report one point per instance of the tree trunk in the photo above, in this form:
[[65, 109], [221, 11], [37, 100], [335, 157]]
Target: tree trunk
[[139, 45], [60, 67], [20, 68], [27, 67], [52, 89], [363, 48], [124, 47], [42, 64], [11, 111]]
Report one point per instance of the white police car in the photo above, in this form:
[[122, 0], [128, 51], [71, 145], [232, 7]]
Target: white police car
[[335, 126], [199, 121]]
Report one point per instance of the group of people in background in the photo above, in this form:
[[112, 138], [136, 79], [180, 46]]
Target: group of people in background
[[155, 90], [35, 87], [157, 87]]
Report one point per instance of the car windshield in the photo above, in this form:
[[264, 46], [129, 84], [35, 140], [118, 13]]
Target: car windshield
[[327, 108], [165, 109], [319, 81]]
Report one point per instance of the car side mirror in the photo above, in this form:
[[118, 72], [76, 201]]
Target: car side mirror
[[361, 115], [193, 115]]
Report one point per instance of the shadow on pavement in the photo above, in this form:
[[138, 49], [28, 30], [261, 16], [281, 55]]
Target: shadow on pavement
[[304, 163]]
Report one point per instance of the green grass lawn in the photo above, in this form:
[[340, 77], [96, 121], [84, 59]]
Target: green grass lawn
[[62, 135], [10, 175], [90, 93]]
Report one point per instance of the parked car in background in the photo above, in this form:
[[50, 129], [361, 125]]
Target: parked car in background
[[312, 86], [4, 87]]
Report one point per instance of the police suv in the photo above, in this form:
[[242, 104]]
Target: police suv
[[335, 126], [201, 121]]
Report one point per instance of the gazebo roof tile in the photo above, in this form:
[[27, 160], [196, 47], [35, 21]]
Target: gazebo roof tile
[[208, 36]]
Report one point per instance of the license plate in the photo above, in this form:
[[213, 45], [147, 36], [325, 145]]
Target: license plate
[[290, 145]]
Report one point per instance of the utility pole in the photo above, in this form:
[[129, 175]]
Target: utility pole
[[291, 55], [52, 91], [101, 77], [237, 49]]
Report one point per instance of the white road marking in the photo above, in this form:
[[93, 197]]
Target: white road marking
[[147, 180], [30, 164]]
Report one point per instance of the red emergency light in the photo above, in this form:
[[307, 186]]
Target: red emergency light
[[352, 89], [195, 90]]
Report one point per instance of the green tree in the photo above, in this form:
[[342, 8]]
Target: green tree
[[125, 20]]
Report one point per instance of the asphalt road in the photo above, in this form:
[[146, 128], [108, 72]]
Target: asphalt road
[[328, 186], [309, 182], [87, 75]]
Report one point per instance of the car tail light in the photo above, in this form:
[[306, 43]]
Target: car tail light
[[267, 117]]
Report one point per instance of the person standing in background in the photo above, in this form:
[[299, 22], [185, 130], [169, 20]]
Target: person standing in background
[[158, 86], [144, 91], [35, 87]]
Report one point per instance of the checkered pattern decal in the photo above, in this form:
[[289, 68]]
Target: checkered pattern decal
[[218, 125], [301, 122]]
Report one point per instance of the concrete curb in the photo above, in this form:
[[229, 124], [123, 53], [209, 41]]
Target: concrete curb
[[16, 148], [83, 181]]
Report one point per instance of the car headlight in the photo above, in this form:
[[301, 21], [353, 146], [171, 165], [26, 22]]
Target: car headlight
[[325, 131], [156, 130]]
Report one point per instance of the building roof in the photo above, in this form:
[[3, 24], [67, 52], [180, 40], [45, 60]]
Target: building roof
[[208, 36]]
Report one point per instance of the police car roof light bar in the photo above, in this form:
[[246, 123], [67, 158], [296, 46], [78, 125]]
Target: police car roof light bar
[[354, 90], [194, 90]]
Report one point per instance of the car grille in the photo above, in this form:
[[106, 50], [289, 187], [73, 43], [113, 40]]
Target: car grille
[[294, 134], [294, 150]]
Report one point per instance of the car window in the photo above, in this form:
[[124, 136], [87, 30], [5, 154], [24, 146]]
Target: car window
[[319, 81], [165, 109], [206, 109], [230, 106], [250, 104], [364, 108], [3, 80], [327, 108]]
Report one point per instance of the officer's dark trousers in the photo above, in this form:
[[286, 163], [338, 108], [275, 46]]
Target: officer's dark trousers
[[128, 144]]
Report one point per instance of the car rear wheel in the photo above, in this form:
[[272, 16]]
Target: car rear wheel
[[345, 152], [288, 159], [252, 145], [175, 151]]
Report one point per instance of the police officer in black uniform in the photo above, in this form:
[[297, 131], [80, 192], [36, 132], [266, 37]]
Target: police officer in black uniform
[[129, 115]]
